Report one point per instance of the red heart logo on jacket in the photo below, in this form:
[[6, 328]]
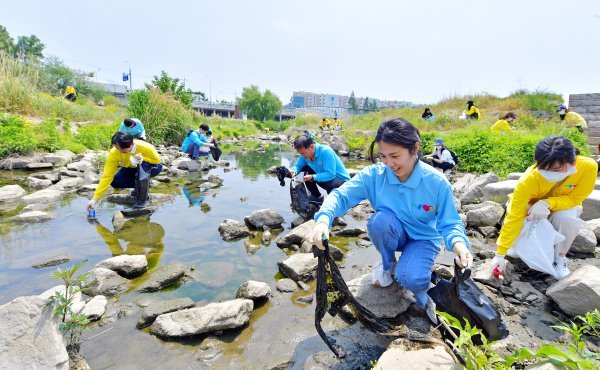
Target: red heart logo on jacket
[[426, 208]]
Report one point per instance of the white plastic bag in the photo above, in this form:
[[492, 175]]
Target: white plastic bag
[[535, 245]]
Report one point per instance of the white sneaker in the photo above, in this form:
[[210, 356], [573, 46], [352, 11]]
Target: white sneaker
[[381, 278], [560, 265], [430, 311]]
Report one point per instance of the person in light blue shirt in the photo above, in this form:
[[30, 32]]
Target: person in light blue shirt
[[321, 166], [414, 212], [134, 127], [196, 144]]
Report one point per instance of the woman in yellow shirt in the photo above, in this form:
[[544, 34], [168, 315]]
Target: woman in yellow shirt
[[472, 110], [503, 124], [554, 187], [571, 119], [139, 160]]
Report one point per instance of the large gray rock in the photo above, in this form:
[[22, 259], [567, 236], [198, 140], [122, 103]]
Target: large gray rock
[[31, 217], [585, 242], [253, 290], [163, 277], [155, 309], [77, 303], [299, 267], [296, 235], [215, 179], [400, 357], [15, 163], [264, 217], [362, 211], [191, 166], [595, 226], [95, 308], [579, 292], [30, 337], [388, 302], [126, 199], [499, 191], [43, 196], [337, 143], [126, 265], [286, 285], [80, 166], [591, 206], [487, 213], [482, 273], [53, 177], [232, 230], [37, 184], [11, 193], [118, 220], [68, 184], [210, 318], [471, 189], [351, 231], [102, 281], [38, 166]]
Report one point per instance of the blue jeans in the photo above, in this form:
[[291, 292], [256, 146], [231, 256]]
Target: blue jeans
[[194, 151], [328, 186], [125, 178], [413, 270]]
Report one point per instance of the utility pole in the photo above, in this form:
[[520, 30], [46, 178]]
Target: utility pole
[[130, 84]]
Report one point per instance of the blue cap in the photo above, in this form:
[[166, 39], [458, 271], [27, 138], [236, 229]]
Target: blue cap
[[438, 141], [561, 107]]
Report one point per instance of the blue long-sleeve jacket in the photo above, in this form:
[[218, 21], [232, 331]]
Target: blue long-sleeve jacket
[[424, 203], [136, 130], [327, 165], [193, 137]]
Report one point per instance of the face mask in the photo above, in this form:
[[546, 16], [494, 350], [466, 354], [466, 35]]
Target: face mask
[[562, 112], [553, 176], [132, 150]]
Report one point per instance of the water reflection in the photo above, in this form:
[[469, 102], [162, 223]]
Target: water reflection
[[253, 163], [195, 197], [140, 237]]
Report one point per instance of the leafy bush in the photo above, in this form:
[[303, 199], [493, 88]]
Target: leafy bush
[[96, 136], [110, 100], [15, 137]]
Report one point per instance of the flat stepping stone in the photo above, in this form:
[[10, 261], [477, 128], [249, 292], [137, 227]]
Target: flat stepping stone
[[163, 277], [155, 309], [56, 260], [139, 211]]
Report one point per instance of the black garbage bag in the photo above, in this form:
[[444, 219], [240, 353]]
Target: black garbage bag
[[216, 151], [462, 299], [282, 174], [300, 202]]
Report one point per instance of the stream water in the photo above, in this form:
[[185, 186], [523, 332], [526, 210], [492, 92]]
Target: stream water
[[183, 231]]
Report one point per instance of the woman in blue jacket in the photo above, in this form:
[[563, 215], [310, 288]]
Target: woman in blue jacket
[[414, 212]]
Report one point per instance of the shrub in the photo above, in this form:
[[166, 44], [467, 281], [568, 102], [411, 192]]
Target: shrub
[[110, 100], [15, 137], [96, 136], [17, 85]]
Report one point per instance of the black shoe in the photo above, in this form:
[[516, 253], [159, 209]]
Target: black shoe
[[133, 194], [141, 204]]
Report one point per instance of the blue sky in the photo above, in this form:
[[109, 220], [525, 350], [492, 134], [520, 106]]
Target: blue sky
[[421, 51]]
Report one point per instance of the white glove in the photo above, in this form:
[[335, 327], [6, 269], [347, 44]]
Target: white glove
[[541, 209], [499, 262], [315, 237], [463, 258], [91, 204], [133, 161]]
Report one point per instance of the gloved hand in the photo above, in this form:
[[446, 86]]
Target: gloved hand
[[91, 204], [315, 237], [463, 258], [541, 209], [499, 262]]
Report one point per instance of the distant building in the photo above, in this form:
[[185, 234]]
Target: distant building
[[119, 91], [303, 99]]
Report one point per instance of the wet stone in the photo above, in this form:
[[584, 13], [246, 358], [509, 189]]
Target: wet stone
[[163, 277], [153, 310], [56, 260], [139, 211], [286, 285]]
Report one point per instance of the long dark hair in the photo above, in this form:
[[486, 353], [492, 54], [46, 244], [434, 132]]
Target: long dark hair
[[396, 131], [553, 150]]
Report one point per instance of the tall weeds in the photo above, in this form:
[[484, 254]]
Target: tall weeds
[[17, 84]]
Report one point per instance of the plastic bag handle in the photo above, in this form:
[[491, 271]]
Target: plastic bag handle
[[460, 276]]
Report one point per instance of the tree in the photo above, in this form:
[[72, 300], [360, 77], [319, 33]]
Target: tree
[[199, 95], [168, 84], [374, 106], [29, 48], [366, 105], [6, 42], [352, 103], [259, 106]]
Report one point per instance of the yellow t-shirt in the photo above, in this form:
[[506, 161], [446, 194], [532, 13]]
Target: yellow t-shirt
[[70, 90], [532, 186], [501, 126], [323, 123], [474, 109], [573, 119], [116, 158]]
